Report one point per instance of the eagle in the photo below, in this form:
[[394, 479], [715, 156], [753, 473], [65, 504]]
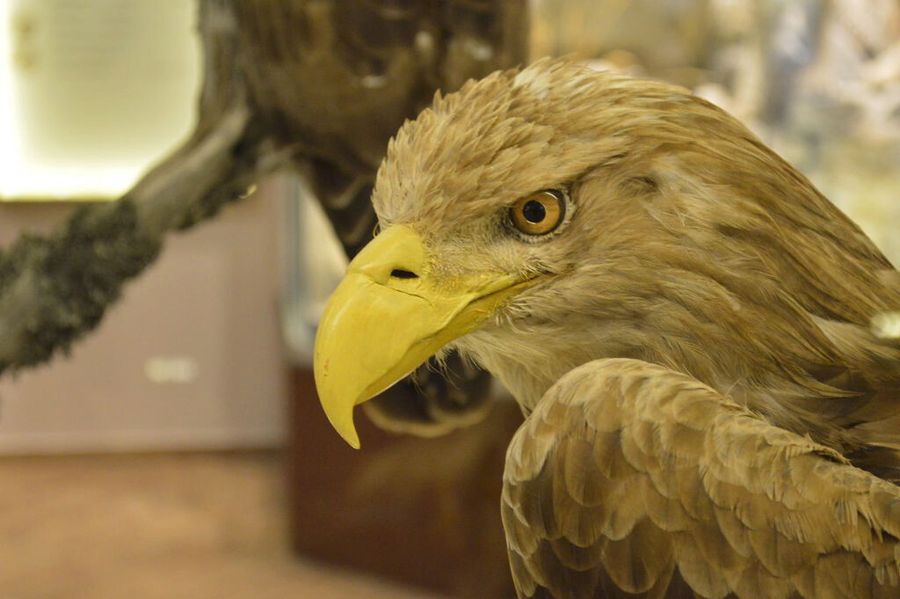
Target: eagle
[[684, 320]]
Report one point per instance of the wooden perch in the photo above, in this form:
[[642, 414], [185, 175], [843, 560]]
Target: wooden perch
[[55, 289]]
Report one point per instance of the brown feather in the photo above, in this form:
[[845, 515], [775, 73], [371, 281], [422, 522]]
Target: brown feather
[[772, 530], [759, 378]]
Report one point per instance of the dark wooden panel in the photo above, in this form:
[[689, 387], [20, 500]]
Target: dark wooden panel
[[421, 511]]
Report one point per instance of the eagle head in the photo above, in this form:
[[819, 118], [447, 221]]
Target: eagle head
[[541, 218]]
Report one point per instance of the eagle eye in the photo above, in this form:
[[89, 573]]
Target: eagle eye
[[538, 213]]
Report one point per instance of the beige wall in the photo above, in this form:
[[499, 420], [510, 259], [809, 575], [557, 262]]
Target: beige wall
[[190, 358]]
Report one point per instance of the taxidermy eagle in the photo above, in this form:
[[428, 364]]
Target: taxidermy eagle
[[683, 318]]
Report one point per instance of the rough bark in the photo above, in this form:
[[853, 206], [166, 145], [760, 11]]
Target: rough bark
[[55, 289]]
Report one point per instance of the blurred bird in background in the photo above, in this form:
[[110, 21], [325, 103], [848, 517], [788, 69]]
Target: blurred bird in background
[[690, 327], [339, 84]]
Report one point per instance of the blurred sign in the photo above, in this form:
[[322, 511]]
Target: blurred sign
[[92, 92]]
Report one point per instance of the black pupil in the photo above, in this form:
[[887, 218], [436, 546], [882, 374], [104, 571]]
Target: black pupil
[[534, 211]]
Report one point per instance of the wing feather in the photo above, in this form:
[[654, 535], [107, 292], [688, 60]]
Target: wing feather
[[632, 480]]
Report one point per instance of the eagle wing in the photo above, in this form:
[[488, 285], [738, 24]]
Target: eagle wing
[[632, 480]]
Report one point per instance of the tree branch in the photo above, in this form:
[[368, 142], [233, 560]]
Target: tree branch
[[55, 289]]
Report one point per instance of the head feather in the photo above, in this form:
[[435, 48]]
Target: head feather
[[693, 245]]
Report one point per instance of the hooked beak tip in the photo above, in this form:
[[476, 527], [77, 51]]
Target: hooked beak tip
[[351, 440]]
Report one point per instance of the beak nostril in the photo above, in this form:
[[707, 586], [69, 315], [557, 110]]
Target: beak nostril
[[403, 274]]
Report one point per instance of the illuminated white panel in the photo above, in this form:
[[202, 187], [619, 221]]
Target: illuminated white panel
[[92, 92]]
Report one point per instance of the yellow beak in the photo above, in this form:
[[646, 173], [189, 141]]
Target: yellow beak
[[388, 316]]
